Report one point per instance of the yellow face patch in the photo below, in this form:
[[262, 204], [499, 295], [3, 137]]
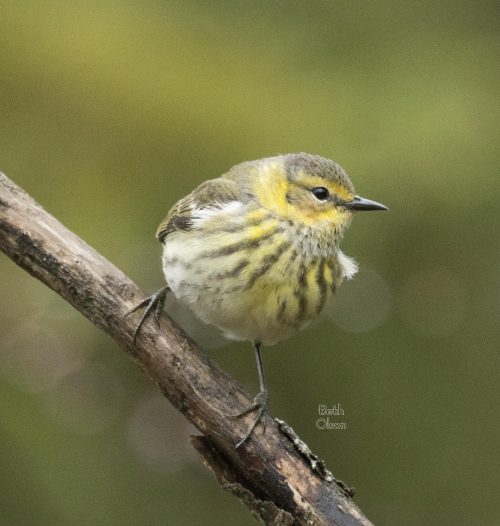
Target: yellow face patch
[[311, 216], [273, 190]]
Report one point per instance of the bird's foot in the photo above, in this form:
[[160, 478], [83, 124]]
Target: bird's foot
[[154, 303], [259, 406]]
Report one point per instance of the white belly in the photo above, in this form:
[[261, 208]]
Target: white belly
[[219, 297]]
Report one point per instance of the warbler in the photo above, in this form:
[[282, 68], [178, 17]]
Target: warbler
[[256, 252]]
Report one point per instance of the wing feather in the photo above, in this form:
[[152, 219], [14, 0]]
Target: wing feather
[[210, 194]]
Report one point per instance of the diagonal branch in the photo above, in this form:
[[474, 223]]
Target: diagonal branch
[[272, 476]]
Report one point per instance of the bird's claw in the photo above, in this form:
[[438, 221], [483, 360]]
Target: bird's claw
[[259, 405], [156, 303]]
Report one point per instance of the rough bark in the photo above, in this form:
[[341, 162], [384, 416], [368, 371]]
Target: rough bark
[[269, 472]]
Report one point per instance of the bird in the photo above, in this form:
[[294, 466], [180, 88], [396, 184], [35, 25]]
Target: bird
[[256, 251]]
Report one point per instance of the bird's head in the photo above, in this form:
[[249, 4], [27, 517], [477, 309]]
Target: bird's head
[[309, 190]]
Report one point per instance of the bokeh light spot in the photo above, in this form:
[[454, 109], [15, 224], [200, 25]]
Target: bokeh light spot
[[362, 304], [159, 435]]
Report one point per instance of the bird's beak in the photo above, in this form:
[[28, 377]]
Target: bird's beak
[[360, 203]]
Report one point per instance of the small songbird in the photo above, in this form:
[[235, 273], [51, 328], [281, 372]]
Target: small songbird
[[256, 251]]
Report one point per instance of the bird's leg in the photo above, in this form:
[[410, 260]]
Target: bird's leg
[[259, 402], [156, 303]]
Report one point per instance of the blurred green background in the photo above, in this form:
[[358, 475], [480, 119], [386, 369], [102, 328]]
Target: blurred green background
[[111, 111]]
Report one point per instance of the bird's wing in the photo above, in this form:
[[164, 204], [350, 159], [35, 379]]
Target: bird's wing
[[210, 194]]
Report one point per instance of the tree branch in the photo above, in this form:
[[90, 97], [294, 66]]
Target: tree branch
[[269, 473]]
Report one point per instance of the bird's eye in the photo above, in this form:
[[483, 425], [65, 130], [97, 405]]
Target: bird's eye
[[320, 193]]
